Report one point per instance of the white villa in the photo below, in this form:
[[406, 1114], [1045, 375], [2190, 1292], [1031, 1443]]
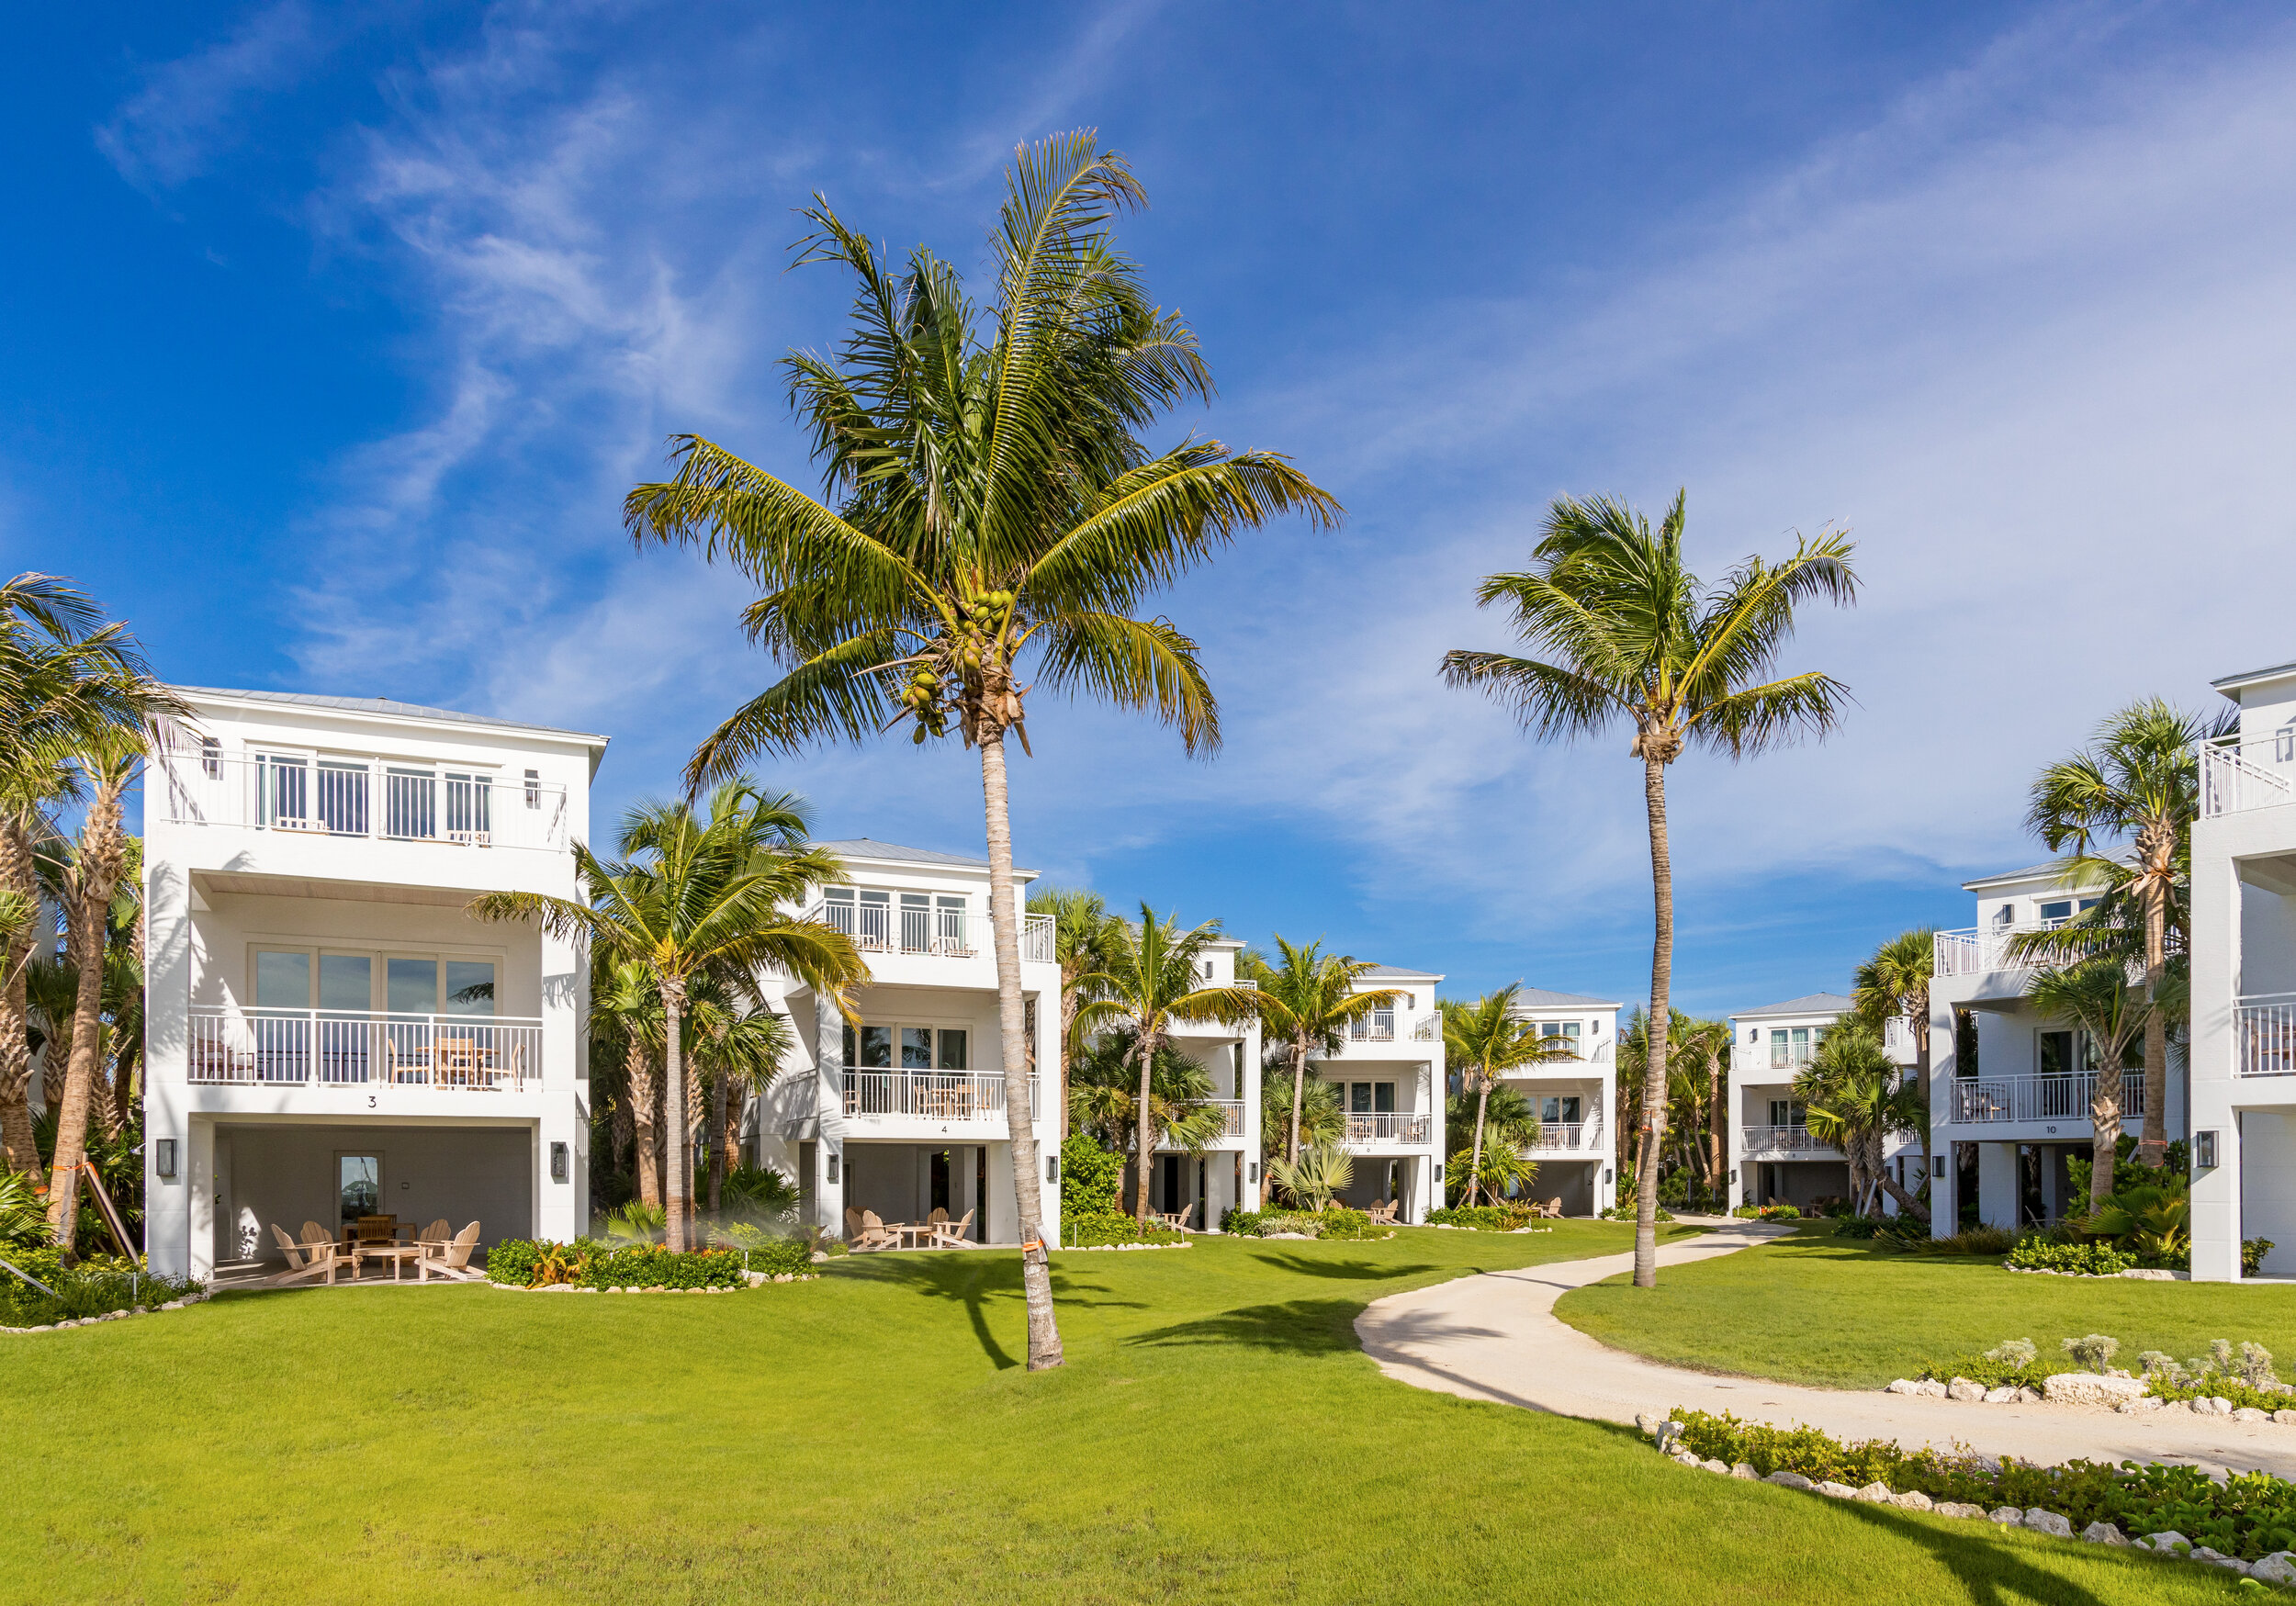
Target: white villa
[[1772, 1158], [1578, 1143], [2009, 1090], [2243, 984], [904, 1113], [329, 1034], [1389, 1077]]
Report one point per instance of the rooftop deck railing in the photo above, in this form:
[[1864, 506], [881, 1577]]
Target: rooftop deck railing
[[946, 933], [340, 795], [1985, 948], [2263, 1035], [1984, 1100], [2235, 777], [269, 1048]]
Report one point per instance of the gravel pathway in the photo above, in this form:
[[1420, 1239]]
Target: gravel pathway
[[1495, 1337]]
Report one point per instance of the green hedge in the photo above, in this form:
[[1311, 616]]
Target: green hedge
[[521, 1263], [2251, 1514], [1339, 1224], [1105, 1226], [2034, 1253], [1482, 1218], [1768, 1213], [1090, 1178], [89, 1286]]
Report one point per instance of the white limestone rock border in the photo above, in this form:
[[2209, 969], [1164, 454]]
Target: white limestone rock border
[[78, 1321], [2136, 1274]]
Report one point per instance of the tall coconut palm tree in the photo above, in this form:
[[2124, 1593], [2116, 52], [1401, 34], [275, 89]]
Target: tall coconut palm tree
[[1182, 1110], [1484, 1040], [1896, 981], [997, 527], [1698, 1059], [1155, 981], [740, 1043], [1307, 1003], [1080, 927], [2094, 994], [1854, 1099], [625, 1013], [2138, 785], [1636, 638], [695, 893]]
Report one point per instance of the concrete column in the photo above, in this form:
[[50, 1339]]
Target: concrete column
[[1996, 1184], [198, 1258], [558, 1213], [2216, 980], [1004, 1205], [1944, 1193], [828, 1108], [2052, 1193], [1943, 1222]]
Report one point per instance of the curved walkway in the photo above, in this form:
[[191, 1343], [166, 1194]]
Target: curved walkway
[[1495, 1337]]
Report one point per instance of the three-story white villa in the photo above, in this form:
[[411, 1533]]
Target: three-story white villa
[[329, 1034], [2009, 1089], [1577, 1149], [1773, 1158], [1389, 1077]]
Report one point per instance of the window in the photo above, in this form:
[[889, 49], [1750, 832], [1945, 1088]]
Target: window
[[916, 923], [283, 981], [1564, 1111], [283, 791], [952, 1049], [211, 758], [534, 789], [2284, 745], [2060, 910], [469, 808], [2056, 1057], [866, 918], [1559, 1035], [340, 983], [358, 1187], [1787, 1112], [409, 802], [949, 935], [1367, 1098], [921, 1048], [342, 795]]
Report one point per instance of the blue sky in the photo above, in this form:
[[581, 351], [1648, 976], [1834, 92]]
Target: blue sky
[[329, 337]]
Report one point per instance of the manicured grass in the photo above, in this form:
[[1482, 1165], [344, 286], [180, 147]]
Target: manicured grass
[[1841, 1313], [869, 1437]]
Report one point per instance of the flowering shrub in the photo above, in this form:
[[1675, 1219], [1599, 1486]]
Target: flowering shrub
[[525, 1262]]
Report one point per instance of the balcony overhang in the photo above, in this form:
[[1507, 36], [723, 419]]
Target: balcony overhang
[[211, 883]]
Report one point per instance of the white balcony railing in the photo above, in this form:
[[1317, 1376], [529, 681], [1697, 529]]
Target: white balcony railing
[[930, 1095], [2264, 1040], [1387, 1127], [1982, 1100], [1428, 1030], [2248, 775], [943, 932], [263, 1048], [1233, 1109], [1759, 1141], [1591, 1054], [1987, 948], [1567, 1135], [333, 795], [1378, 1027]]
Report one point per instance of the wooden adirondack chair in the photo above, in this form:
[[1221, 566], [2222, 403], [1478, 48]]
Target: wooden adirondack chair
[[304, 1260], [957, 1234], [450, 1260]]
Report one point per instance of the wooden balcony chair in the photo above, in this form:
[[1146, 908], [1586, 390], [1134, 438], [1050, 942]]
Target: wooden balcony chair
[[459, 1063], [956, 1234], [450, 1260], [304, 1260]]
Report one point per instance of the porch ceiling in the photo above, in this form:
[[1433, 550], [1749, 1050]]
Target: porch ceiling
[[219, 883]]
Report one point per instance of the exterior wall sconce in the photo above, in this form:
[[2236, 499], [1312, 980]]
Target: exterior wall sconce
[[163, 1158], [1254, 1176], [1606, 1182], [833, 1166], [2204, 1148], [558, 1161], [1052, 1168], [1937, 1162]]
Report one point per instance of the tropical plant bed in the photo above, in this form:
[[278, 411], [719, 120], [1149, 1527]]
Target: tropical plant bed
[[72, 1322], [1100, 1248], [2252, 1513]]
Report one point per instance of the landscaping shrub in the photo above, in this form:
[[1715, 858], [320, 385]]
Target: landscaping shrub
[[1090, 1178], [1913, 1237], [90, 1286], [523, 1263], [2252, 1253], [2245, 1378], [2013, 1364], [2036, 1253], [2249, 1515], [1105, 1226], [2093, 1353], [1482, 1218], [1626, 1212], [1340, 1224], [1312, 1224], [1767, 1213]]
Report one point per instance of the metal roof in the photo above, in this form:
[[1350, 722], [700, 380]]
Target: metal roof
[[1809, 1003], [2231, 683], [385, 705], [1540, 998], [1400, 975], [866, 847], [2047, 867]]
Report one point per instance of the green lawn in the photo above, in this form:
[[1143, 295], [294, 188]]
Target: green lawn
[[867, 1437], [1838, 1312]]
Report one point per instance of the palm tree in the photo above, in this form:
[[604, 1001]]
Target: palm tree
[[999, 524], [1701, 1050], [1155, 981], [740, 1043], [694, 894], [625, 1011], [1317, 1175], [2094, 994], [1182, 1113], [1080, 925], [2139, 782], [1320, 1118], [1637, 638], [1896, 981], [1483, 1041], [1308, 1003], [1854, 1099]]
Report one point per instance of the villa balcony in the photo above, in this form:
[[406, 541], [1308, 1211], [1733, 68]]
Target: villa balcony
[[327, 797], [332, 1048], [1386, 1128], [2237, 777], [2263, 1035], [1567, 1137], [1988, 1100], [936, 1098], [922, 924], [1986, 948], [1785, 1143]]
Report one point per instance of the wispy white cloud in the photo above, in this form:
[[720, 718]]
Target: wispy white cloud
[[186, 110]]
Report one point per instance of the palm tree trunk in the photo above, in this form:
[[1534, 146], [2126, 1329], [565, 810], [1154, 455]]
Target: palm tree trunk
[[1661, 987], [1036, 1264], [640, 1065], [717, 1140], [2152, 1147], [101, 857], [678, 1202], [2104, 1116], [1716, 1192], [17, 1142], [1144, 1128], [1299, 1092], [1920, 1023], [1475, 1162], [1068, 1027]]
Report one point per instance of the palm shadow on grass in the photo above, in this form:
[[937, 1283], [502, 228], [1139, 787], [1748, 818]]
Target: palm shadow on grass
[[1992, 1573], [1298, 1327], [972, 1280], [1354, 1271]]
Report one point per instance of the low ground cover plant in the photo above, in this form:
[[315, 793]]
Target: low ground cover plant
[[88, 1286], [2036, 1253], [2249, 1515], [1504, 1217], [1626, 1213], [525, 1262], [1101, 1227], [1338, 1223]]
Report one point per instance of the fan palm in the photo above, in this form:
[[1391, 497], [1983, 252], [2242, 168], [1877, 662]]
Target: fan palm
[[1320, 1118], [1855, 1098], [1080, 925], [1316, 1177], [2094, 995], [691, 894], [1308, 1003], [1154, 980], [1483, 1041], [2138, 784], [999, 524], [1498, 1172], [1637, 638], [1896, 981]]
